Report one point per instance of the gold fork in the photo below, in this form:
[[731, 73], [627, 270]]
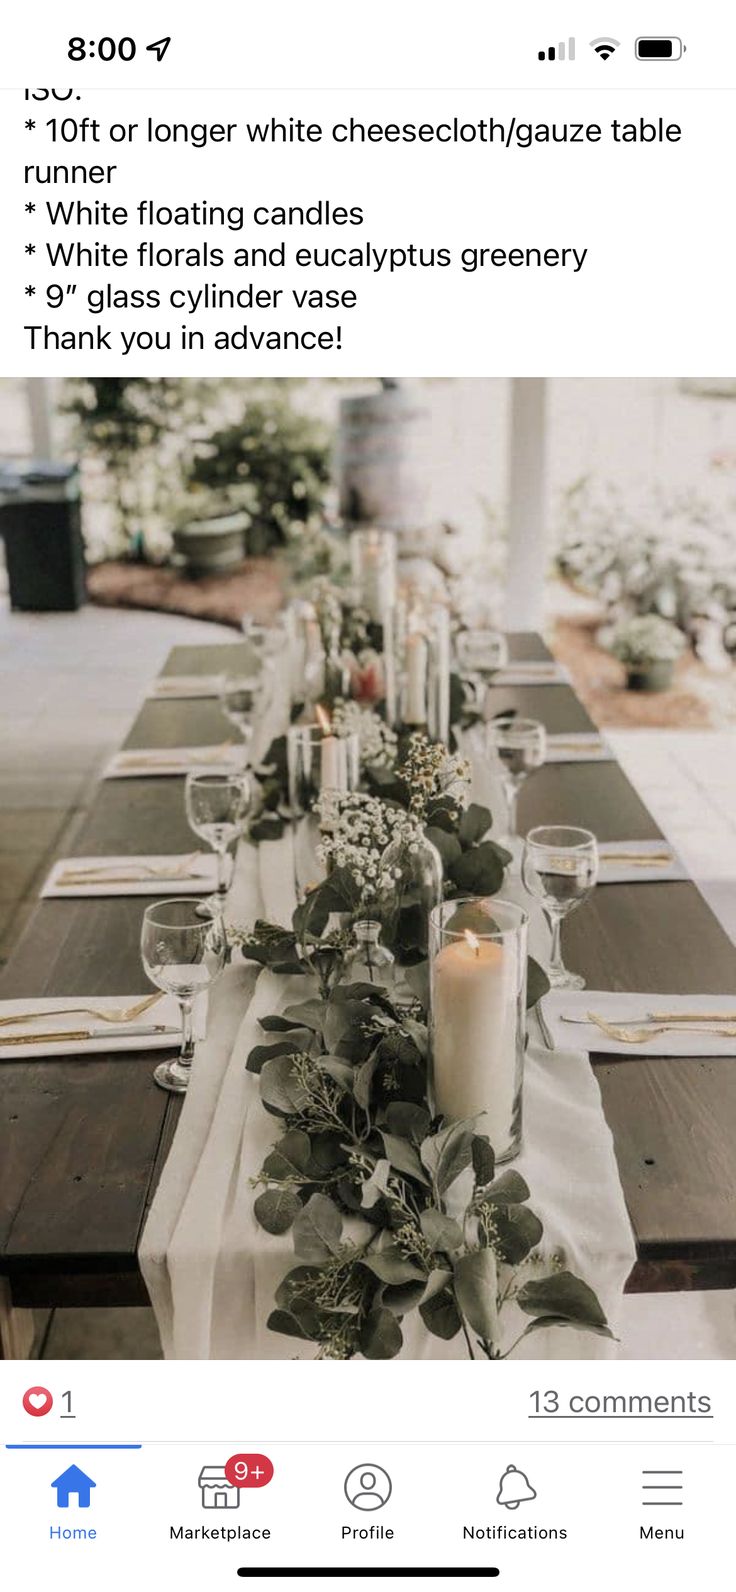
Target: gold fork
[[639, 1036], [112, 1014]]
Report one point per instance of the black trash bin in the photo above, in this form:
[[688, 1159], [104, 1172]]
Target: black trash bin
[[40, 523]]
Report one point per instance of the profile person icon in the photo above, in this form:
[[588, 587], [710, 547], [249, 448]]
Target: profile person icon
[[368, 1487]]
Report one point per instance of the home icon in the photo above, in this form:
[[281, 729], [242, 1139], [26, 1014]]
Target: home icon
[[217, 1491], [73, 1483]]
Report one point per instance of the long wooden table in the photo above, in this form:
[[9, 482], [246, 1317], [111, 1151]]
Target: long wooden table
[[82, 1142]]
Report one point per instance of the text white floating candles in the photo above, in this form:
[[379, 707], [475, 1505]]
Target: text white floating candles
[[333, 772], [478, 996]]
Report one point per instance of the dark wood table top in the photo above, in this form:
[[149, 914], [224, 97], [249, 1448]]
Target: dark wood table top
[[82, 1142]]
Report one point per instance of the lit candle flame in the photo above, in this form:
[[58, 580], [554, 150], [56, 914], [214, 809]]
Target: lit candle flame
[[473, 941], [323, 720]]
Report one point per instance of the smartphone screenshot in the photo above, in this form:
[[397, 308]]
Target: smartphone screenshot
[[367, 775]]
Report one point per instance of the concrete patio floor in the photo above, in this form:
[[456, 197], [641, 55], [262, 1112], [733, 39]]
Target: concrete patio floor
[[70, 685]]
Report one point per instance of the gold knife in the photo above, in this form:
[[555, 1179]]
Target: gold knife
[[65, 1035]]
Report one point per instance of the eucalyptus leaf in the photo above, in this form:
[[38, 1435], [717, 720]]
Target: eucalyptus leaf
[[508, 1189], [286, 1322], [483, 1159], [363, 1079], [537, 983], [476, 1290], [518, 1231], [407, 1121], [441, 1232], [474, 824], [317, 1230], [404, 1157], [261, 1054], [276, 1209], [447, 844], [380, 1337], [402, 1297], [307, 1014], [267, 826], [278, 1024], [391, 1266], [448, 1153], [543, 1323], [338, 1070], [281, 1090], [373, 994], [440, 1314], [479, 871], [291, 1156], [563, 1294]]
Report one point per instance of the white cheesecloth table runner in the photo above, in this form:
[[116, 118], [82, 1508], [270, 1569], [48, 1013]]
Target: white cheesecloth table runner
[[212, 1272]]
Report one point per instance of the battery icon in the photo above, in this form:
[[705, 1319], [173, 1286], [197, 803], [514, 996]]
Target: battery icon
[[659, 48]]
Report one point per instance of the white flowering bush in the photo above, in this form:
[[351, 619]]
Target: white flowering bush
[[671, 557]]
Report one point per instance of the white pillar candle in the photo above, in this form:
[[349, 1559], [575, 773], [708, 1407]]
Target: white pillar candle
[[332, 765], [474, 1034], [372, 582], [417, 661]]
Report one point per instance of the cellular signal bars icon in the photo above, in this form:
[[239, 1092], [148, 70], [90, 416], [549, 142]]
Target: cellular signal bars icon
[[558, 52]]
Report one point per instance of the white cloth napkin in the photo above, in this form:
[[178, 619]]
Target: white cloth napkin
[[578, 746], [679, 1040], [132, 876], [146, 761], [532, 673], [623, 862], [210, 1269], [164, 1013], [183, 687]]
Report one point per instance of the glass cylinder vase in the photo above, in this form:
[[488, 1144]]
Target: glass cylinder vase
[[373, 565], [478, 958], [319, 761], [415, 868]]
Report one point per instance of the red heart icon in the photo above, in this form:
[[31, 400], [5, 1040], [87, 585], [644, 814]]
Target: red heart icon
[[37, 1401]]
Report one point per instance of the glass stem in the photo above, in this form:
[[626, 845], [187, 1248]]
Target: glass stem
[[512, 800], [187, 1038], [556, 964], [221, 877]]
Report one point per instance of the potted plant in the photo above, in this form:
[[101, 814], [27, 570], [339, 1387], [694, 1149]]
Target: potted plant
[[279, 456], [648, 646]]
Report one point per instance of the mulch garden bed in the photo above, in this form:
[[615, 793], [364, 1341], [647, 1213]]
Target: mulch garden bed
[[255, 588], [699, 699]]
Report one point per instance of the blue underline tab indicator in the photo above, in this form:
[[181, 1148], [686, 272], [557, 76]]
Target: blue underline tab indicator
[[73, 1445]]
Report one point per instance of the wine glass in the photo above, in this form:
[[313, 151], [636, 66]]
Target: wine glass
[[480, 654], [216, 807], [266, 641], [182, 955], [560, 868], [242, 699], [518, 746]]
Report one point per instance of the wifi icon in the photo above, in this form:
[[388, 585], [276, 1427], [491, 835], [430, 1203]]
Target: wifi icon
[[604, 47]]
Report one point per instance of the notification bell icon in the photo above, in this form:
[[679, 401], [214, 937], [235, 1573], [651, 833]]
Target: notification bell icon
[[514, 1488]]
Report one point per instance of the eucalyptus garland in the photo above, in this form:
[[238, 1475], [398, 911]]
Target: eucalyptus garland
[[391, 1210]]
